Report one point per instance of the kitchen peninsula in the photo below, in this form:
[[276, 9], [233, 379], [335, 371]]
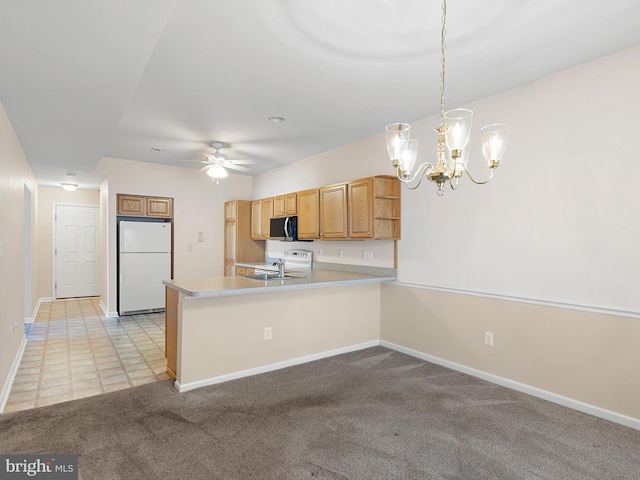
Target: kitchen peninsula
[[222, 328]]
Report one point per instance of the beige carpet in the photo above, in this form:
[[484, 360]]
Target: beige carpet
[[374, 414]]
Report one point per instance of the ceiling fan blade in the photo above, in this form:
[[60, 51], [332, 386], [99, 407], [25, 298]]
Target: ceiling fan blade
[[194, 161], [235, 167], [206, 167], [242, 162]]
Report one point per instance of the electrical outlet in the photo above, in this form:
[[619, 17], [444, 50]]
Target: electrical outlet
[[191, 248], [201, 236], [267, 333], [488, 339], [340, 252], [367, 254], [319, 252]]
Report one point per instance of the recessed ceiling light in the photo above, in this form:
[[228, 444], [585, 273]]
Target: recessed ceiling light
[[276, 119], [156, 149]]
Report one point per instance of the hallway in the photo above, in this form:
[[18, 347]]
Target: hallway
[[74, 352]]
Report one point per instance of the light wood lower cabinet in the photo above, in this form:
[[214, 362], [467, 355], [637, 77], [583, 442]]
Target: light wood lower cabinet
[[243, 271]]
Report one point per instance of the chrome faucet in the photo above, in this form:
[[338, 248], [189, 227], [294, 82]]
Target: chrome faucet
[[280, 263]]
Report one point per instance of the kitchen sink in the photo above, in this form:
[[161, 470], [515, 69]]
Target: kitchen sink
[[270, 276]]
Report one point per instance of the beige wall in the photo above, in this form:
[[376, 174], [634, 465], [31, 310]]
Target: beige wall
[[15, 173], [221, 336], [551, 227], [588, 357], [198, 207], [47, 196]]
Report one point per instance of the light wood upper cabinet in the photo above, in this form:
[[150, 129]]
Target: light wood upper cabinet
[[159, 207], [291, 204], [261, 214], [238, 244], [278, 206], [256, 220], [141, 206], [266, 214], [285, 205], [131, 205], [309, 214], [374, 208], [333, 212], [230, 214], [361, 208]]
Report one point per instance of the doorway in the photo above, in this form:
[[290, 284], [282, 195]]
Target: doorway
[[76, 241]]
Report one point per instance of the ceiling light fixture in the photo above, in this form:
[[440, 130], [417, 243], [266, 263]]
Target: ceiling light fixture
[[216, 172], [454, 130], [69, 187], [276, 119]]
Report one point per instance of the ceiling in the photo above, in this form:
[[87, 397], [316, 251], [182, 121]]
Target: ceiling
[[81, 80]]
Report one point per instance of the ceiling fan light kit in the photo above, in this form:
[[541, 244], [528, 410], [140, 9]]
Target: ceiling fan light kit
[[216, 172], [454, 132]]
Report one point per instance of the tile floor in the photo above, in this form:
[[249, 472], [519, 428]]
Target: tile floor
[[74, 352]]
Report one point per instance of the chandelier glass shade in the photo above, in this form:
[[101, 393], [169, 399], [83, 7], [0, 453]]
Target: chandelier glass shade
[[454, 133]]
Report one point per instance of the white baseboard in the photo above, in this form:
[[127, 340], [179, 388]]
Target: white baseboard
[[6, 390], [274, 366], [106, 311], [522, 387], [41, 300]]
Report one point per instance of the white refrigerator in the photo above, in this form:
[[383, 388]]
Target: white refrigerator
[[144, 262]]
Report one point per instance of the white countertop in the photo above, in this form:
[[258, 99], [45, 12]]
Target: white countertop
[[228, 286]]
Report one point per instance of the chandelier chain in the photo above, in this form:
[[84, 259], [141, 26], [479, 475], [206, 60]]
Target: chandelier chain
[[443, 44]]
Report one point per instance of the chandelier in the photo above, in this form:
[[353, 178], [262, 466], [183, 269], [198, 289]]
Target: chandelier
[[453, 131]]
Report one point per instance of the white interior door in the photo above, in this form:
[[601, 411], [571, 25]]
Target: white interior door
[[76, 251]]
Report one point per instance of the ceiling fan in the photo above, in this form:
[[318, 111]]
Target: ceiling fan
[[217, 162]]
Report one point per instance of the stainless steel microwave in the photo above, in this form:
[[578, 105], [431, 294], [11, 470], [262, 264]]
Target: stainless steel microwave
[[284, 228]]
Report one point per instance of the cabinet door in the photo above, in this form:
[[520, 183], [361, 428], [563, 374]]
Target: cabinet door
[[291, 204], [159, 207], [278, 206], [361, 208], [308, 214], [132, 205], [266, 215], [230, 211], [256, 220], [333, 212], [230, 240]]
